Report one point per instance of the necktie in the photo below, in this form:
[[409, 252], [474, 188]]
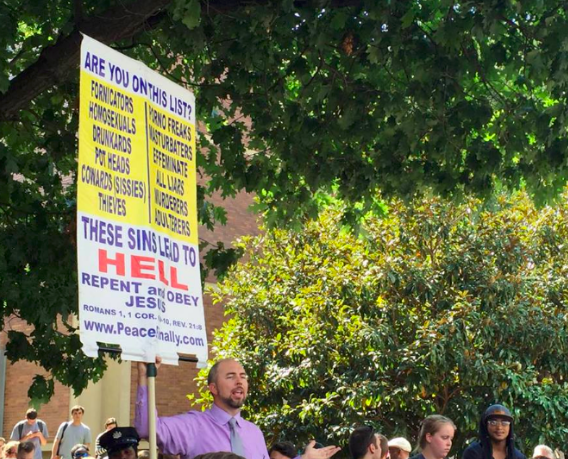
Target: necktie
[[236, 440]]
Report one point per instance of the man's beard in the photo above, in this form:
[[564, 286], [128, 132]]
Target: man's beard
[[234, 403]]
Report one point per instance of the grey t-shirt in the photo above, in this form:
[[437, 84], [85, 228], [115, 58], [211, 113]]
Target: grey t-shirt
[[73, 435], [37, 426]]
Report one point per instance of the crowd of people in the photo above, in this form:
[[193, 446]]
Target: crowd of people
[[221, 433], [72, 440], [221, 428]]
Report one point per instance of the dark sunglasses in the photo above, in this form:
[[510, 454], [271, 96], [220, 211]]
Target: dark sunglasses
[[78, 454], [13, 451]]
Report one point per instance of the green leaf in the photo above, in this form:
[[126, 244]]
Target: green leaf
[[192, 15]]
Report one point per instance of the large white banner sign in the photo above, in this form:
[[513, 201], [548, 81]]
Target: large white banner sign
[[138, 263]]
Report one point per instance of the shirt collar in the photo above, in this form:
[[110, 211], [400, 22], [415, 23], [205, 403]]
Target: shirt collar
[[221, 417]]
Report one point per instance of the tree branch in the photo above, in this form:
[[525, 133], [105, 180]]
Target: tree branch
[[56, 62]]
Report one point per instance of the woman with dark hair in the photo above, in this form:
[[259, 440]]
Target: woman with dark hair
[[496, 436], [435, 437]]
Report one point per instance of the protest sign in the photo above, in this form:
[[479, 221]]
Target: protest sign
[[138, 263]]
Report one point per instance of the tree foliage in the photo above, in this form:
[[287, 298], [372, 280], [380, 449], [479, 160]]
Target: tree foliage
[[299, 98], [440, 309]]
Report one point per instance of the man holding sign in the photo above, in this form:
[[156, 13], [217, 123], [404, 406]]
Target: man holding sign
[[220, 428]]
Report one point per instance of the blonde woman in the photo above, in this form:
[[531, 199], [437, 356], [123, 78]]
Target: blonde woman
[[435, 437]]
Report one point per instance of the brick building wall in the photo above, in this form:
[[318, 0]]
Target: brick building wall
[[19, 377], [173, 383]]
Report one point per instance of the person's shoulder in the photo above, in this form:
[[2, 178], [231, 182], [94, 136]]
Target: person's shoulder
[[518, 455], [253, 430], [418, 456], [61, 427], [249, 424], [474, 445], [192, 414], [187, 417], [15, 434], [472, 450]]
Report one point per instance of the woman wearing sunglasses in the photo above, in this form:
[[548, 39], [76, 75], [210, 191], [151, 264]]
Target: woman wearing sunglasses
[[496, 439], [80, 451]]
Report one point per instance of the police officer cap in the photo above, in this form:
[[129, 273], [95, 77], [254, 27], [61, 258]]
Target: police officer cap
[[119, 438]]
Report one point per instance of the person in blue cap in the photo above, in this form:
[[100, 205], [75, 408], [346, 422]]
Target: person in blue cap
[[496, 436], [120, 443]]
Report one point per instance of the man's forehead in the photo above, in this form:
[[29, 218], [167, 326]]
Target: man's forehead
[[230, 366]]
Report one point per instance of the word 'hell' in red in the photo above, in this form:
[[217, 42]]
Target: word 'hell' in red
[[140, 268]]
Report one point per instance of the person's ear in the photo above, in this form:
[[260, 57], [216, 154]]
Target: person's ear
[[213, 389]]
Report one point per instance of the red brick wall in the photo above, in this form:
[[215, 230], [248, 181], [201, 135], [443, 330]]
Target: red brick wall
[[19, 377]]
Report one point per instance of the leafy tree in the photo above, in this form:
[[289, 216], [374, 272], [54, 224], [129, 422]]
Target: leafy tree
[[299, 98], [440, 309]]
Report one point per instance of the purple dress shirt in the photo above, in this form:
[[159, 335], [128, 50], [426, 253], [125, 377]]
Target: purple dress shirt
[[198, 432]]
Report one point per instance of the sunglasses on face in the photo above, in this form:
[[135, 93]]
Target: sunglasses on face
[[78, 454], [11, 452], [499, 422]]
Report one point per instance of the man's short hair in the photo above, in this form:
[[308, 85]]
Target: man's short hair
[[31, 414], [78, 408], [219, 455], [285, 448], [26, 447], [212, 376], [359, 441], [110, 421], [384, 444]]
